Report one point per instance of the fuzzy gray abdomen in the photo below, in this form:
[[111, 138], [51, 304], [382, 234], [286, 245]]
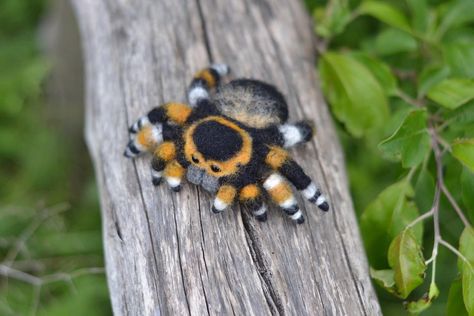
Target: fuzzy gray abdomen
[[252, 102]]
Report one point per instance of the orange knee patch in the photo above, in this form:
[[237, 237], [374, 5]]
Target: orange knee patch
[[166, 151], [207, 76], [174, 170], [249, 192], [276, 157], [281, 192], [145, 137], [178, 112], [226, 193]]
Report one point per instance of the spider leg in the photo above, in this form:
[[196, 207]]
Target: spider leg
[[164, 154], [224, 198], [145, 140], [174, 173], [286, 135], [147, 132], [279, 159], [293, 134], [280, 192], [171, 111], [251, 197], [205, 80]]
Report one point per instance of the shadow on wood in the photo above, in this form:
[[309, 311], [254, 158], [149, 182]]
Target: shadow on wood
[[167, 253]]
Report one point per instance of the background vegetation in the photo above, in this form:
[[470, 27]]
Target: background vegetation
[[50, 239], [399, 78]]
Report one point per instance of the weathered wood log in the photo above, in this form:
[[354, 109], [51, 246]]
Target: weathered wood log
[[166, 253]]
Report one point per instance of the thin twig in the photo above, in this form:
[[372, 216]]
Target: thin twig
[[439, 181], [455, 251], [408, 99], [9, 272], [455, 205], [421, 218], [31, 229]]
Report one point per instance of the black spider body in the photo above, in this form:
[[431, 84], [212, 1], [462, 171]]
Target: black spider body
[[232, 144]]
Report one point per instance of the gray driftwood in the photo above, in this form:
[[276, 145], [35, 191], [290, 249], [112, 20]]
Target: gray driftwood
[[166, 253]]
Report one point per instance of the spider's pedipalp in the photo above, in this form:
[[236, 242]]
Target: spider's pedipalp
[[293, 134], [173, 174], [224, 198], [251, 197], [281, 193]]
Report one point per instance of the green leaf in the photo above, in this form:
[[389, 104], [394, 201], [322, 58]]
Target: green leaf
[[466, 248], [385, 218], [452, 93], [467, 187], [419, 14], [455, 305], [380, 70], [385, 279], [410, 143], [335, 18], [463, 150], [423, 303], [385, 13], [431, 76], [459, 13], [355, 96], [406, 259], [463, 115], [392, 41], [460, 58], [424, 190]]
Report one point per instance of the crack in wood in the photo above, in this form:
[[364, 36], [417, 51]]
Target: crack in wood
[[179, 255], [271, 293], [202, 251]]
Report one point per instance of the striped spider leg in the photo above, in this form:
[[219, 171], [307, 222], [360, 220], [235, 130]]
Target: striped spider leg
[[281, 193], [279, 160], [249, 195], [147, 132]]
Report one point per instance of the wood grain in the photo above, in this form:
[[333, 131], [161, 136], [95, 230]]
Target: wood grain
[[167, 253]]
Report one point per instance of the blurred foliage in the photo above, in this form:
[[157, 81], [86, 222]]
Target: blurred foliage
[[399, 79], [49, 213]]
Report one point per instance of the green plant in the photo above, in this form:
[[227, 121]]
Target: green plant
[[50, 256], [399, 79]]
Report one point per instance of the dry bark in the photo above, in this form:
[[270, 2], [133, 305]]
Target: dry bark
[[166, 253]]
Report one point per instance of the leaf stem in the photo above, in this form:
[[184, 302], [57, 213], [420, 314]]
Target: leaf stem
[[408, 99], [421, 218], [455, 205], [455, 251]]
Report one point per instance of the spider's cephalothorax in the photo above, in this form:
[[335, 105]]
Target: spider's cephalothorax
[[232, 143]]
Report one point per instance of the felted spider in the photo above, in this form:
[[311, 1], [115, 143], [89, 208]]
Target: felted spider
[[232, 143]]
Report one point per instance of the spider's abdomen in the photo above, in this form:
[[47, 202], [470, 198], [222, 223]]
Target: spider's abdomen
[[252, 102]]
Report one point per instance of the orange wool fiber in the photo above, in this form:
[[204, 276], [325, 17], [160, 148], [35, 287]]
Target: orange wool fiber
[[166, 151], [249, 192], [281, 192], [276, 157], [227, 193], [178, 112]]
